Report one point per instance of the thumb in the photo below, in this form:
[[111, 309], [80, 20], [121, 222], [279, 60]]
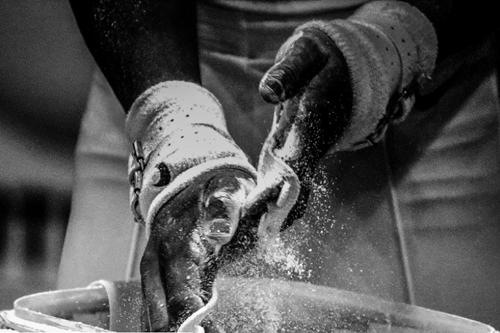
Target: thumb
[[302, 57]]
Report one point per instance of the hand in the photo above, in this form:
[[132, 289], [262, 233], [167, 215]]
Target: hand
[[342, 82], [310, 83], [190, 181], [181, 258]]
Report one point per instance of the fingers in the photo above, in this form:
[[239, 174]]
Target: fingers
[[303, 58], [155, 316], [170, 288]]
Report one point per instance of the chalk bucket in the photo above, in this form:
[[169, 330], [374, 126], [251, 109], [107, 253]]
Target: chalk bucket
[[244, 305]]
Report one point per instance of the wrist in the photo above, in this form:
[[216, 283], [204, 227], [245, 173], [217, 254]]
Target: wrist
[[389, 48], [182, 131], [165, 110]]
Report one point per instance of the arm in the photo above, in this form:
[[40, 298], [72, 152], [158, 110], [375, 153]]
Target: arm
[[458, 24], [339, 84], [189, 177]]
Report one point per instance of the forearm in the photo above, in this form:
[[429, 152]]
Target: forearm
[[138, 44], [459, 24]]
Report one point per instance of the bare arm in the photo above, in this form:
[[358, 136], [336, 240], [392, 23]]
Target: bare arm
[[138, 44]]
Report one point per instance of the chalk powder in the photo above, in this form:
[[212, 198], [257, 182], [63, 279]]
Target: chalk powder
[[257, 309], [256, 306]]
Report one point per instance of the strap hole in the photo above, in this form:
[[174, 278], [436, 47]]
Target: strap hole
[[164, 175]]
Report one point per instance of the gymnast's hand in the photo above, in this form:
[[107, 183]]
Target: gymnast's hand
[[182, 255], [310, 85]]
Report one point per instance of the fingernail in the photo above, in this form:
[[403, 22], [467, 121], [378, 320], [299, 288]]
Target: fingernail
[[271, 90]]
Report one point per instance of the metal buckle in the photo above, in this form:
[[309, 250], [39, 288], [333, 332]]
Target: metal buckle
[[135, 179]]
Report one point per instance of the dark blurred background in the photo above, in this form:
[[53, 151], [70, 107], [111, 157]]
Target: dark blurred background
[[45, 72]]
